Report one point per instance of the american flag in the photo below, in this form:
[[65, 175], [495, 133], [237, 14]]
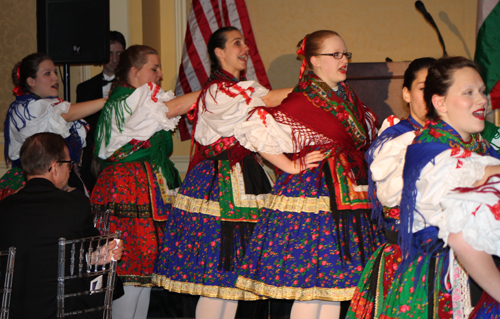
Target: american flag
[[206, 17]]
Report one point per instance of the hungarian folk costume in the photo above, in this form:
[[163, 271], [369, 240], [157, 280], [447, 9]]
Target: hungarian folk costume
[[436, 162], [138, 182], [219, 202], [27, 115], [379, 273], [314, 235]]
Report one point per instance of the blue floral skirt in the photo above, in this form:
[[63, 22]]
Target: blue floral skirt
[[299, 250], [190, 259]]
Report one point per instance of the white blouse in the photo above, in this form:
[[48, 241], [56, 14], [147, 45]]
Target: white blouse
[[227, 111], [437, 204], [45, 116], [148, 116]]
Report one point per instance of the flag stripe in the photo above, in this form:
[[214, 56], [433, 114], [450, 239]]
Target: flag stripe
[[256, 61]]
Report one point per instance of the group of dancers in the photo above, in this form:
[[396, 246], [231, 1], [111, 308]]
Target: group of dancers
[[399, 233]]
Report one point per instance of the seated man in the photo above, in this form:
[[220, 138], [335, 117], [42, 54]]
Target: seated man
[[33, 220]]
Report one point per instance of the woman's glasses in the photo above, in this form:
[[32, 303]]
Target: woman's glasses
[[339, 55]]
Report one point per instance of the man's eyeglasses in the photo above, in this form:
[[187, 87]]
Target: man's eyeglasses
[[339, 55], [70, 164]]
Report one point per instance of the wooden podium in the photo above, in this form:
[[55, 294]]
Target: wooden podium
[[379, 86]]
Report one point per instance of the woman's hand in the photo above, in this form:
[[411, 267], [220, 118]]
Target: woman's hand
[[488, 172], [295, 167]]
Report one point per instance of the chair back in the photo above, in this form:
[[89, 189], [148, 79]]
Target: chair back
[[101, 221], [86, 258], [6, 291]]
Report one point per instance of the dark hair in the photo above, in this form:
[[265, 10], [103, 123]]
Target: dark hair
[[28, 67], [117, 37], [218, 39], [40, 150], [134, 56], [416, 66], [440, 79], [314, 42]]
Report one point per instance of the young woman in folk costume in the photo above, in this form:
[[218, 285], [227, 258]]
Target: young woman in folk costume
[[314, 235], [138, 183], [447, 153], [379, 271], [219, 202], [36, 109]]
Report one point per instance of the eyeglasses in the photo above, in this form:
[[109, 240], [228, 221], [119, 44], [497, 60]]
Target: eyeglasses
[[70, 164], [339, 55]]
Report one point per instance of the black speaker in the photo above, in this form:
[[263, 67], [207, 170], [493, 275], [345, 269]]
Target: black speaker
[[73, 31]]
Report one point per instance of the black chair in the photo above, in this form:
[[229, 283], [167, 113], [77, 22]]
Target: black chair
[[7, 287], [86, 258]]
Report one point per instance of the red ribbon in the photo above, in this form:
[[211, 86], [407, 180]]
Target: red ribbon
[[18, 91], [301, 51]]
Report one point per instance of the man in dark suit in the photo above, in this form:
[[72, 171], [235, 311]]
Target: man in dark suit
[[33, 220], [96, 88]]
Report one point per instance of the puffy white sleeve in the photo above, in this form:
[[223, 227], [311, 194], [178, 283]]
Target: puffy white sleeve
[[476, 213], [391, 120], [261, 133], [437, 203], [387, 169], [148, 115], [44, 116], [227, 109]]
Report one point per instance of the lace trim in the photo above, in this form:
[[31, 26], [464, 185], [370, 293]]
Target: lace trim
[[204, 290], [302, 294], [298, 204], [197, 205], [240, 198]]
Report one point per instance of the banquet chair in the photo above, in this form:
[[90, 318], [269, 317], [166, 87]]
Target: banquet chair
[[101, 221], [7, 287], [89, 259]]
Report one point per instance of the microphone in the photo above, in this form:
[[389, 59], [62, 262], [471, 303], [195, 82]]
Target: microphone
[[420, 7]]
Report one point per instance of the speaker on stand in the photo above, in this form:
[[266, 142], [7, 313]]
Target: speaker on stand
[[73, 32]]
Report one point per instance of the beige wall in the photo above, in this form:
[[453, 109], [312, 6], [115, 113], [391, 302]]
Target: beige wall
[[372, 30]]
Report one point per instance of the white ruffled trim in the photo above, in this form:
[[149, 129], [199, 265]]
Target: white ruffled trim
[[476, 214], [270, 137]]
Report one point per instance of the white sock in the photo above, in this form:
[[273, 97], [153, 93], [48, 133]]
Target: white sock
[[305, 309], [215, 308], [329, 310], [134, 304]]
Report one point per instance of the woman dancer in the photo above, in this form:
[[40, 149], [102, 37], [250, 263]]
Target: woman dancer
[[445, 154], [38, 109], [379, 271], [138, 182], [219, 201], [314, 236]]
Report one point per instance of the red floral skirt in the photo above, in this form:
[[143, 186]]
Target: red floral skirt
[[139, 203]]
